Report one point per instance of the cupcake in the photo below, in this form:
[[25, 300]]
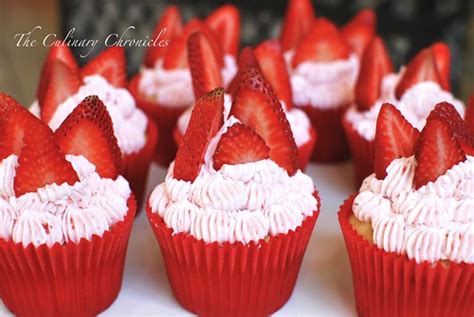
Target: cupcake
[[235, 214], [163, 88], [269, 59], [414, 90], [65, 213], [63, 86], [409, 231]]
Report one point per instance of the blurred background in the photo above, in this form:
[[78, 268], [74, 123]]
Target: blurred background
[[406, 26]]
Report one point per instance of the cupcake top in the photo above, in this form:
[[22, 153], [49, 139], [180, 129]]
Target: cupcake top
[[236, 180], [47, 197], [166, 76], [420, 199], [415, 96], [105, 77]]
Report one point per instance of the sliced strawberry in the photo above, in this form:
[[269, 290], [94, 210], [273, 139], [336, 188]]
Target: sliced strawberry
[[394, 138], [375, 65], [256, 105], [437, 150], [41, 162], [442, 58], [176, 55], [272, 64], [298, 21], [110, 64], [56, 52], [446, 112], [63, 82], [240, 145], [224, 22], [168, 28], [323, 43], [88, 131], [421, 68], [206, 119], [246, 59], [359, 31], [205, 71], [469, 116], [14, 121]]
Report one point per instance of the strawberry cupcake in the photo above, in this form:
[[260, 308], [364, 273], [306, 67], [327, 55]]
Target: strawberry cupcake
[[235, 214], [63, 86], [65, 213], [414, 90], [163, 88], [409, 231]]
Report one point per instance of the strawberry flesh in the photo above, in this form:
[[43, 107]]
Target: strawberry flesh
[[240, 145], [469, 116], [88, 131], [246, 59], [298, 21], [110, 64], [394, 138], [442, 58], [359, 31], [224, 22]]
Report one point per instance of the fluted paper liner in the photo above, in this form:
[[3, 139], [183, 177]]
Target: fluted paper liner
[[135, 166], [232, 279], [165, 118], [65, 280], [390, 284]]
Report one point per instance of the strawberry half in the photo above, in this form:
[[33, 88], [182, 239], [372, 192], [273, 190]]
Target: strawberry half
[[272, 64], [224, 22], [110, 64], [206, 119], [446, 112], [437, 150], [240, 145], [421, 68], [62, 83], [176, 55], [88, 131], [375, 65], [394, 138], [323, 43], [168, 28], [359, 31], [256, 105], [469, 116], [442, 58], [15, 120], [41, 162], [298, 21], [205, 71], [246, 59], [56, 52]]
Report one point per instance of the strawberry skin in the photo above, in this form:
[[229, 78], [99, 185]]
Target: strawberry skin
[[375, 65], [171, 21], [240, 145], [323, 43], [272, 64], [298, 21], [224, 22], [437, 150], [256, 106], [442, 58], [470, 115], [206, 119], [359, 31], [41, 162], [88, 131], [63, 82], [110, 64], [394, 138], [205, 71], [246, 59]]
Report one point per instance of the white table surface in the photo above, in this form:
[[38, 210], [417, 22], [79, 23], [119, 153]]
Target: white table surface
[[324, 286]]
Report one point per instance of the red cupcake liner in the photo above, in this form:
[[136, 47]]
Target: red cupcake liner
[[135, 166], [304, 150], [390, 284], [65, 280], [232, 279], [331, 145], [165, 119], [362, 152]]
